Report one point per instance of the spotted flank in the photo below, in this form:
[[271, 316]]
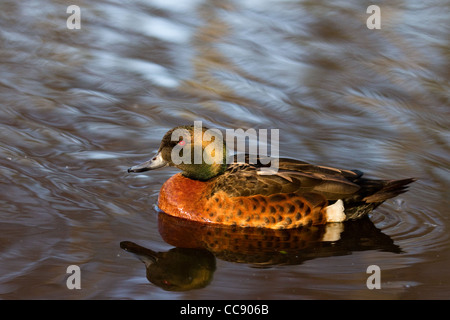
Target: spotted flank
[[277, 211]]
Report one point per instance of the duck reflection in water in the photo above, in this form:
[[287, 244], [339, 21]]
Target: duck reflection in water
[[191, 264], [179, 269]]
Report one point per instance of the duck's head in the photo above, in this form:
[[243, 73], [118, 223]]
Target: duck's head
[[199, 152]]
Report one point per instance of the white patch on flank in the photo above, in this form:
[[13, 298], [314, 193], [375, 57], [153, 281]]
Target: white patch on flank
[[335, 212], [333, 232]]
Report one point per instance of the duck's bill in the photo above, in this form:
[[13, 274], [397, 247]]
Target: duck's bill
[[154, 163]]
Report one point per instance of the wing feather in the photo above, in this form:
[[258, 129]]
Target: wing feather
[[243, 179]]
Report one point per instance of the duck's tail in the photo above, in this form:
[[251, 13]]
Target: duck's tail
[[372, 194], [389, 189]]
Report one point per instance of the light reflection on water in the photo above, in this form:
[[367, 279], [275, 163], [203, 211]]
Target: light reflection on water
[[79, 107]]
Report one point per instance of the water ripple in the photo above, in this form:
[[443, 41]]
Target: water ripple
[[78, 107]]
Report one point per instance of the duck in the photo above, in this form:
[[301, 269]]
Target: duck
[[218, 189]]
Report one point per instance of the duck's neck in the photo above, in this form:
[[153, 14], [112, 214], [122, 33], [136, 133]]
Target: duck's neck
[[208, 169], [204, 172]]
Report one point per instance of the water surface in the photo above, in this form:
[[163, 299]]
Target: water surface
[[78, 107]]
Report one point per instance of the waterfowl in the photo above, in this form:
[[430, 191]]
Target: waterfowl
[[214, 190]]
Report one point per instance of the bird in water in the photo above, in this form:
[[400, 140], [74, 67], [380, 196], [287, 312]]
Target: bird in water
[[218, 191]]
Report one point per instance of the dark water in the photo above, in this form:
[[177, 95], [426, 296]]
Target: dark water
[[78, 107]]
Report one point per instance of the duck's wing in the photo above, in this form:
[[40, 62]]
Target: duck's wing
[[288, 176]]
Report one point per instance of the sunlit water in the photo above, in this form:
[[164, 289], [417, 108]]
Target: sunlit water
[[78, 107]]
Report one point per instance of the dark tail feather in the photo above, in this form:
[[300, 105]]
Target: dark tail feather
[[389, 189], [372, 194]]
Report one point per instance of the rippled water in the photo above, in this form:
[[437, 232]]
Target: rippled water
[[78, 107]]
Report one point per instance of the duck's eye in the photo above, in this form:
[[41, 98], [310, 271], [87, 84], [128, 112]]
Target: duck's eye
[[182, 142]]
